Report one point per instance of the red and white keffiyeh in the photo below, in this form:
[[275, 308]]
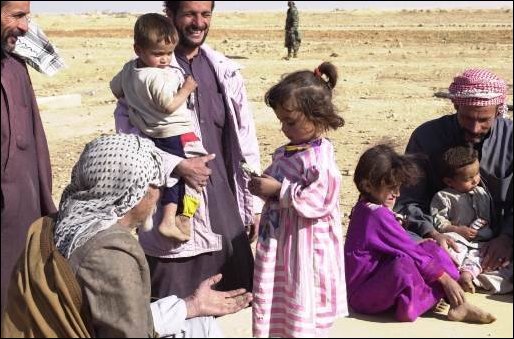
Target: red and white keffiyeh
[[479, 87]]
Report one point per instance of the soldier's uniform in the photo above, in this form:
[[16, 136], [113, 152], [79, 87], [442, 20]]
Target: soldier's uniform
[[293, 39]]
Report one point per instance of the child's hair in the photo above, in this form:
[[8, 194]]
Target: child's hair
[[455, 158], [310, 93], [174, 6], [381, 166], [152, 28]]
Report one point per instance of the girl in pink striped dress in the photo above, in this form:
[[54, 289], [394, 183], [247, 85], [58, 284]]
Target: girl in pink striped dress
[[299, 284]]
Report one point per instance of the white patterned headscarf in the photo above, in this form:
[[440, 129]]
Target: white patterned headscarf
[[38, 51], [111, 176]]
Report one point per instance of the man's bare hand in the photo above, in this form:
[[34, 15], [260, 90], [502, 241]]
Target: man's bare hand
[[497, 253], [467, 232], [207, 302], [253, 230], [446, 242], [194, 171]]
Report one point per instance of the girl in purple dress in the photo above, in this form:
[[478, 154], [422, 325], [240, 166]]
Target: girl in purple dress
[[385, 268]]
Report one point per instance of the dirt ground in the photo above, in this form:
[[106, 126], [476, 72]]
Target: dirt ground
[[390, 65]]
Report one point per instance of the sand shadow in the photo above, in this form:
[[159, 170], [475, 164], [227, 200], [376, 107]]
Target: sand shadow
[[506, 298], [236, 57], [384, 317], [436, 315], [388, 316]]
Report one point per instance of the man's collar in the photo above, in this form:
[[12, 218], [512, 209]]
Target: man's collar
[[183, 56]]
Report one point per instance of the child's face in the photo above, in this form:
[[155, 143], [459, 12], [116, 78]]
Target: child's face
[[385, 195], [158, 55], [465, 179], [295, 126]]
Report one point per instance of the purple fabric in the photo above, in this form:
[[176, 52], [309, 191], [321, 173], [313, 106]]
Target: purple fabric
[[26, 175], [386, 269]]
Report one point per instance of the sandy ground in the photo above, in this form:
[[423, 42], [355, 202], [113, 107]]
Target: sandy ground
[[433, 325], [390, 65]]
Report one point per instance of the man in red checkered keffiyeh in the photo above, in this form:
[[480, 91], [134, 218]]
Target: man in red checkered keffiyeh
[[479, 97], [479, 87]]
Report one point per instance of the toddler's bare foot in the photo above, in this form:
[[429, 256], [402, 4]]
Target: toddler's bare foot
[[170, 230], [466, 282], [184, 224], [469, 313]]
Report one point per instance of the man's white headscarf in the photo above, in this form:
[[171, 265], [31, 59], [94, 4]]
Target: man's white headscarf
[[38, 51], [111, 177]]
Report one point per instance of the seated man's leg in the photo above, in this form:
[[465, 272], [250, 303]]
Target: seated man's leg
[[496, 282]]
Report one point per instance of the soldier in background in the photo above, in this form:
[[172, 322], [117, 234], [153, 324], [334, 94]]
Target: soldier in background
[[293, 38]]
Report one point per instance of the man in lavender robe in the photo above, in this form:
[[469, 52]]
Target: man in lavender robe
[[25, 174], [221, 116]]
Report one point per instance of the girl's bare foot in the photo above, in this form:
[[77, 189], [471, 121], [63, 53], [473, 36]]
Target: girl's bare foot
[[466, 282], [471, 314]]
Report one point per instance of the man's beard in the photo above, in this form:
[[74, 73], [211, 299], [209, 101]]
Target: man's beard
[[6, 47], [185, 41], [473, 138]]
